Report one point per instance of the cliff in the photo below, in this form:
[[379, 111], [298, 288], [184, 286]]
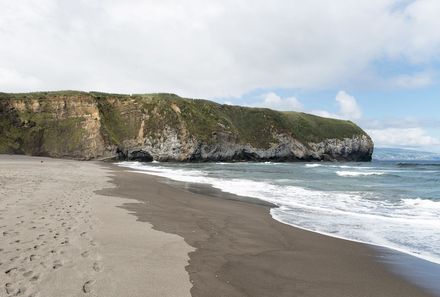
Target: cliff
[[166, 127]]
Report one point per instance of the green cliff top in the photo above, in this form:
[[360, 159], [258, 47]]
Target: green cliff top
[[121, 117]]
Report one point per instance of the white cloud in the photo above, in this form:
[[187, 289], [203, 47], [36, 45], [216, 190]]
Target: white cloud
[[11, 79], [402, 137], [326, 114], [410, 81], [273, 101], [401, 122], [392, 132], [349, 108], [215, 48], [403, 132]]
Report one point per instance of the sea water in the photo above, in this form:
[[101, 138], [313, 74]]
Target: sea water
[[390, 204]]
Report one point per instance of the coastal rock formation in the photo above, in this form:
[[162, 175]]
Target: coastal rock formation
[[166, 127]]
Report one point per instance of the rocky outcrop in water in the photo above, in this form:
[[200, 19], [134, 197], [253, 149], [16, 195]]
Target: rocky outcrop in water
[[166, 127]]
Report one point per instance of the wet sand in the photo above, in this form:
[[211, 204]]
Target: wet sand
[[242, 251]]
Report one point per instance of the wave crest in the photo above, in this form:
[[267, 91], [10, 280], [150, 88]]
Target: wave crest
[[357, 173]]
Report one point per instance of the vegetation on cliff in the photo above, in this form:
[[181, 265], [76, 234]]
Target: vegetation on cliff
[[90, 125]]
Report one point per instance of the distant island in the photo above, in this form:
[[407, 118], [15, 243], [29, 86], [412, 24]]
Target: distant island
[[166, 127]]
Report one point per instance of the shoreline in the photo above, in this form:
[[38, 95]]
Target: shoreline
[[206, 189], [234, 257], [244, 188], [94, 229]]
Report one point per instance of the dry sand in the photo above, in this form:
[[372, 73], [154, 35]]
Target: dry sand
[[59, 238]]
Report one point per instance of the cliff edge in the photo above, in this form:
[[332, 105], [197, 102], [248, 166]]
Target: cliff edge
[[166, 127]]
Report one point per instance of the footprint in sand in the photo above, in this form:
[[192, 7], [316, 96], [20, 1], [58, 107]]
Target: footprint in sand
[[56, 265], [97, 267], [87, 287], [10, 289], [11, 270], [14, 258], [19, 223]]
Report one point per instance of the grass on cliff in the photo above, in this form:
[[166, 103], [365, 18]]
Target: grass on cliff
[[256, 126], [121, 117], [37, 133]]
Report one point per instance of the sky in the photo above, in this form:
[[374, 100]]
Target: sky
[[375, 62]]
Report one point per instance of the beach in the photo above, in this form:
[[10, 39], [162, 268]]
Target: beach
[[60, 238], [74, 228]]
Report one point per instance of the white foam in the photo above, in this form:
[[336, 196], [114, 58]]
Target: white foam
[[330, 165], [268, 163], [357, 173], [410, 226], [348, 167], [428, 206], [313, 165]]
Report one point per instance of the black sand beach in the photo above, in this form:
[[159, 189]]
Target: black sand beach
[[242, 251]]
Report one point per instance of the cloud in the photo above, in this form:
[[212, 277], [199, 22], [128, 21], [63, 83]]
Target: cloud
[[217, 48], [402, 122], [406, 132], [12, 79], [273, 101], [411, 81], [402, 137], [392, 132], [349, 108], [347, 105]]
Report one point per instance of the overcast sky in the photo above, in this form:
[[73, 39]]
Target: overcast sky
[[375, 62]]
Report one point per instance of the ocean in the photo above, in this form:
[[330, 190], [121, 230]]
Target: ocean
[[392, 204]]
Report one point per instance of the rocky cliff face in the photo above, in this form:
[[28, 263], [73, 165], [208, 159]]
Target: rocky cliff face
[[166, 127]]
